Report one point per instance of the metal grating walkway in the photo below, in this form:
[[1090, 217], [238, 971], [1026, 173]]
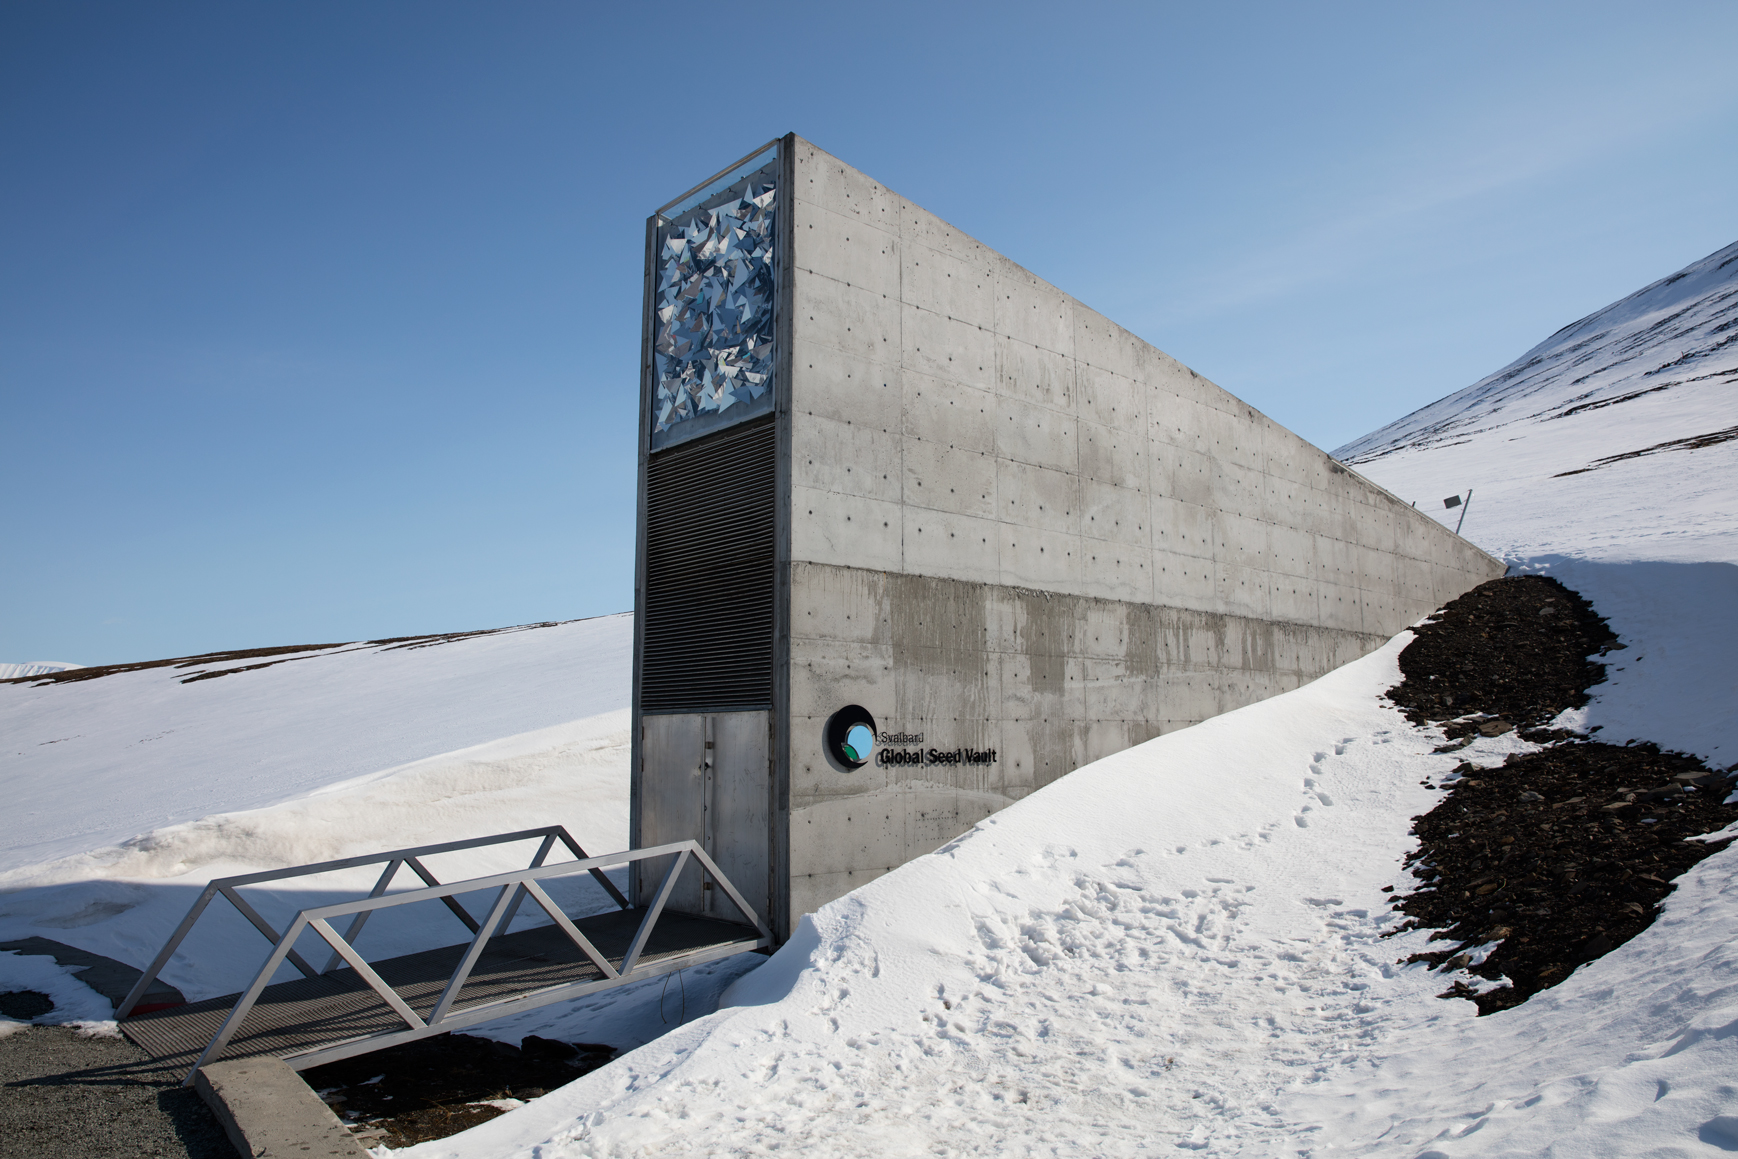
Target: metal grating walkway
[[302, 1020]]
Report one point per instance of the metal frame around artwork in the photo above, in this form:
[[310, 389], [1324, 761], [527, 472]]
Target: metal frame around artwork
[[718, 176], [513, 887]]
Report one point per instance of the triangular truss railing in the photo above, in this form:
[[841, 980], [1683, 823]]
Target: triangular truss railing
[[512, 888]]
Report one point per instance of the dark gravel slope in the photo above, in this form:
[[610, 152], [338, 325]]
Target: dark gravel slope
[[1558, 856], [1520, 648]]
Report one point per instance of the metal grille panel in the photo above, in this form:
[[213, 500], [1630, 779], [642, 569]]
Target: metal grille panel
[[708, 631]]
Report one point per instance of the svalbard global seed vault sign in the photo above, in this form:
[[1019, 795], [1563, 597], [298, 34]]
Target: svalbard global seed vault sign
[[919, 534], [852, 741]]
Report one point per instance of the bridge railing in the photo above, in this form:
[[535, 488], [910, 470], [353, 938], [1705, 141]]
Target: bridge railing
[[511, 887], [396, 859]]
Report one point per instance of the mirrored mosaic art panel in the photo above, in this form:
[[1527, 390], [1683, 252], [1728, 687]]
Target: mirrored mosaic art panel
[[713, 328]]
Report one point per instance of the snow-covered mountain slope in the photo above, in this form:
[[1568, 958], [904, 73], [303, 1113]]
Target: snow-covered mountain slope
[[1615, 438], [89, 763]]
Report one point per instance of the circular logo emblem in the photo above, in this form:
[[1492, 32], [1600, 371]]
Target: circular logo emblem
[[851, 736]]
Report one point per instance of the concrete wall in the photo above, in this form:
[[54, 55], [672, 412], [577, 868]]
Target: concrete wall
[[1014, 525]]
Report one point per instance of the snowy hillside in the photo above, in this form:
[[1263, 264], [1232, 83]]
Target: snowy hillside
[[130, 787], [155, 746], [1616, 437]]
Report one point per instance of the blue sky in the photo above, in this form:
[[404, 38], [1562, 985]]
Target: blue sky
[[320, 321]]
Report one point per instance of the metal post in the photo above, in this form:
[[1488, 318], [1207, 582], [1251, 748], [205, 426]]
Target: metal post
[[708, 806], [264, 927], [519, 894], [571, 930], [736, 898], [450, 901], [361, 919], [167, 952], [366, 972], [1467, 502], [644, 933], [249, 997], [509, 893], [597, 875]]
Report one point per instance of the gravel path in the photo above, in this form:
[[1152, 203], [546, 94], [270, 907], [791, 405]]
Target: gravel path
[[96, 1098]]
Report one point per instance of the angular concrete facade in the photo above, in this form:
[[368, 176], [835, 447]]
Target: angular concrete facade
[[1009, 527]]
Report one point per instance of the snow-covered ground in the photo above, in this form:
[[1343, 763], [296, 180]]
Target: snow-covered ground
[[92, 763], [1183, 950], [130, 791], [1178, 947]]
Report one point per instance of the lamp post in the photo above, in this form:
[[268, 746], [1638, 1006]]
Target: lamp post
[[1454, 501]]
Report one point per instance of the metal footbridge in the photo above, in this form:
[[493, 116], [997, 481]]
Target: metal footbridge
[[352, 1006]]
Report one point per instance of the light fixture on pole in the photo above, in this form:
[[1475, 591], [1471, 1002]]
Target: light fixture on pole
[[1454, 501]]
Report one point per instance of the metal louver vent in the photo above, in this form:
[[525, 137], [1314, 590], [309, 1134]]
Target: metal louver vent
[[709, 574]]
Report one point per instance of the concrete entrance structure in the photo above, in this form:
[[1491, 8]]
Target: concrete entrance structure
[[885, 468]]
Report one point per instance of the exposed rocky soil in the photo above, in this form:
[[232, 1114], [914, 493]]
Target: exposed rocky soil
[[1557, 856], [1518, 649], [25, 1004], [440, 1086]]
